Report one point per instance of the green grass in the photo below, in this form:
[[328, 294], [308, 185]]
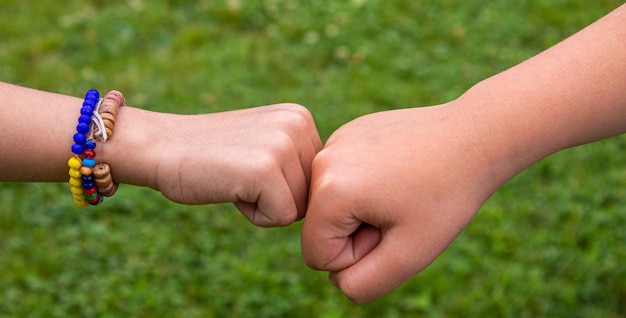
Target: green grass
[[551, 242]]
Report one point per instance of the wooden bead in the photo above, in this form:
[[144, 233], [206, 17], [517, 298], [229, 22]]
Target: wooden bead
[[108, 109], [108, 124], [116, 96], [108, 106], [109, 191], [108, 117], [104, 181], [110, 103], [101, 170]]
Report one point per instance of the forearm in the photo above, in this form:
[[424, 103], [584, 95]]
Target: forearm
[[39, 126], [571, 94]]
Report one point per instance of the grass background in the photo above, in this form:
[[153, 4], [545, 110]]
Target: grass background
[[551, 242]]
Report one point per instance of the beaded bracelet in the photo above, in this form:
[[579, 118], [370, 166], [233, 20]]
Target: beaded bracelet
[[89, 181], [103, 130]]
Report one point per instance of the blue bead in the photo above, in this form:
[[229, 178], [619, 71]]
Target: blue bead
[[80, 138], [77, 149], [93, 92], [87, 179], [89, 162], [86, 110], [90, 144], [82, 128], [84, 119], [88, 185]]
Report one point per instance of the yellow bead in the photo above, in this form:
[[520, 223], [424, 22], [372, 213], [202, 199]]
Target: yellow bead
[[81, 204], [74, 163], [74, 173], [76, 182], [76, 190]]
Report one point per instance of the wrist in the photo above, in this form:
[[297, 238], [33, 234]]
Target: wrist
[[131, 152], [505, 137]]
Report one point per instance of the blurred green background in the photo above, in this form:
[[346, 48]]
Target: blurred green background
[[551, 242]]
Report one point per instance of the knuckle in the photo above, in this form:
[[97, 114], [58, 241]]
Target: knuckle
[[329, 184], [267, 163], [294, 116], [298, 109]]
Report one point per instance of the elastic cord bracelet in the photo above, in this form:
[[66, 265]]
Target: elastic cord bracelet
[[89, 181], [102, 131]]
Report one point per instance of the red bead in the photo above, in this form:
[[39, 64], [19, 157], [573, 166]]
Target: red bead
[[89, 154], [91, 196], [90, 191], [95, 201]]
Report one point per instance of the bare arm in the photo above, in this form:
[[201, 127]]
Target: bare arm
[[571, 94], [391, 190], [259, 158]]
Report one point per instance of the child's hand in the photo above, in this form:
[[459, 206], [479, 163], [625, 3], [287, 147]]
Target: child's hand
[[259, 158], [389, 192]]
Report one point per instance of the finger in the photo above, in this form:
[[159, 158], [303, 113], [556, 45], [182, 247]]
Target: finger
[[380, 271], [297, 174], [315, 136], [305, 152], [360, 243], [295, 147], [272, 204]]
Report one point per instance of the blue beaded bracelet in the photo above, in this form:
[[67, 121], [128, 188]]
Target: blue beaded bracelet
[[83, 149]]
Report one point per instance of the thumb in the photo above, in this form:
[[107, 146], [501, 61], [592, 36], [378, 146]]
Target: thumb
[[380, 271]]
